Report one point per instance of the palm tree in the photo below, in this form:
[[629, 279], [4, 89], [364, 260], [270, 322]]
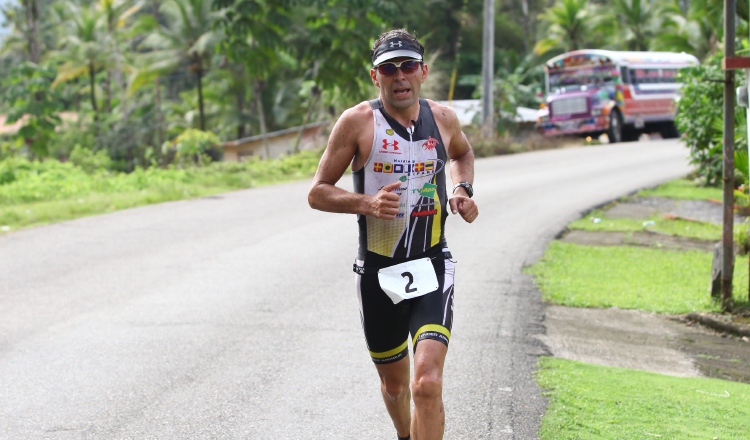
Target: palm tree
[[116, 14], [637, 22], [698, 32], [83, 49], [188, 40], [569, 23]]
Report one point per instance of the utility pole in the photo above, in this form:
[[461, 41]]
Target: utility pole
[[727, 258], [488, 67]]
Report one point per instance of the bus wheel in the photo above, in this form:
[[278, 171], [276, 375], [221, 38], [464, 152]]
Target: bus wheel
[[668, 130], [614, 133], [630, 134]]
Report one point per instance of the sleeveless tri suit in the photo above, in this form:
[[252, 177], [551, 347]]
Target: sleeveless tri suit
[[417, 158]]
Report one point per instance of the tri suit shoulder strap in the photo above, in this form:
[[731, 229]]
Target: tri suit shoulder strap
[[376, 104]]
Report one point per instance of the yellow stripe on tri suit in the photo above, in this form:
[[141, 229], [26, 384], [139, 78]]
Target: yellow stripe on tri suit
[[436, 224], [431, 328], [389, 353]]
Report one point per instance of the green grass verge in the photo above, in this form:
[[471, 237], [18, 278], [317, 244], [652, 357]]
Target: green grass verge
[[595, 402], [36, 193], [25, 215], [654, 280], [683, 189], [683, 228]]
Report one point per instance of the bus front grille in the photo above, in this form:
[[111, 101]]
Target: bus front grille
[[569, 106]]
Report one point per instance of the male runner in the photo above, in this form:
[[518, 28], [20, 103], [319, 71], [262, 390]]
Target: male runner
[[399, 147]]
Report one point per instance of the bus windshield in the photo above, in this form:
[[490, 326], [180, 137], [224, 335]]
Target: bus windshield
[[571, 80]]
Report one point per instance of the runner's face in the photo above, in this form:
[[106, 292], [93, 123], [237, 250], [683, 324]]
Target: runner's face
[[400, 90]]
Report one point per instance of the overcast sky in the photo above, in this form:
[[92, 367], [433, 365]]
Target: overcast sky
[[4, 30]]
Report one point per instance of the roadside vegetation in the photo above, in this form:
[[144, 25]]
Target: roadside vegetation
[[592, 401], [631, 277], [597, 221], [34, 193], [596, 402]]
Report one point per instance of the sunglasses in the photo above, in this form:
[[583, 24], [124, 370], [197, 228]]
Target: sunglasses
[[406, 66]]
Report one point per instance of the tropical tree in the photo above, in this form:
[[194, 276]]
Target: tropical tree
[[27, 90], [637, 22], [116, 14], [186, 42], [83, 51], [699, 32], [569, 23]]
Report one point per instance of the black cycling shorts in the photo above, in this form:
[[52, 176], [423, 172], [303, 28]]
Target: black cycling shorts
[[387, 326]]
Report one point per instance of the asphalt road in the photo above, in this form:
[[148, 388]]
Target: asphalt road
[[235, 316]]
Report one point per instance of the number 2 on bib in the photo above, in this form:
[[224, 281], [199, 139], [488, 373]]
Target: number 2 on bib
[[408, 288]]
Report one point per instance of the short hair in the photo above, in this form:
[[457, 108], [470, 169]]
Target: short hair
[[397, 33]]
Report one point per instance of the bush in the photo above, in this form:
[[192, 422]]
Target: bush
[[89, 161], [192, 147], [25, 181], [700, 116]]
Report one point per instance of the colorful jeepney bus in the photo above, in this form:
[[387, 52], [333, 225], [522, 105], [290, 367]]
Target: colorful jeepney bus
[[590, 92]]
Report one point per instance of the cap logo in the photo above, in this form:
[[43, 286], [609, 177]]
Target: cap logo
[[396, 43]]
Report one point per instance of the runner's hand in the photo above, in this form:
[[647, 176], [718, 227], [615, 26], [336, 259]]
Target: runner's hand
[[464, 206], [384, 204]]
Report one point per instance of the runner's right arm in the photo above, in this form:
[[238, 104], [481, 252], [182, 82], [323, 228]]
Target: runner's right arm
[[343, 147]]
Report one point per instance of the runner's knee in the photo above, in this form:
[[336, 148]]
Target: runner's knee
[[427, 386], [393, 390]]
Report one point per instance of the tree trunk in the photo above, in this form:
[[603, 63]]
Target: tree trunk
[[310, 108], [92, 78], [241, 110], [261, 114], [199, 74], [157, 89], [157, 108], [525, 10], [108, 93], [123, 94], [32, 19]]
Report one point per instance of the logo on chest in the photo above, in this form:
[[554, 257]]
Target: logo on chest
[[430, 143], [393, 144]]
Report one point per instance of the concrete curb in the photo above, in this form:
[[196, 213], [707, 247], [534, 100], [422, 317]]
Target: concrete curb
[[718, 325]]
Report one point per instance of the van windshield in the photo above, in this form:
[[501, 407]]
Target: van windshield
[[573, 80]]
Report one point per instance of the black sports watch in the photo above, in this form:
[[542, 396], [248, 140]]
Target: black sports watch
[[467, 186]]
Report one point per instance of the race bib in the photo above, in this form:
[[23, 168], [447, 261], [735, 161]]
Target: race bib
[[408, 280]]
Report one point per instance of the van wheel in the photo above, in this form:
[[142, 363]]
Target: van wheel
[[614, 133]]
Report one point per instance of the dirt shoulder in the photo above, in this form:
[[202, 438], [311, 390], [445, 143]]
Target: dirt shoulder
[[645, 341]]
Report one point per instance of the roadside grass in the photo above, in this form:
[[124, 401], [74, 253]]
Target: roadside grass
[[680, 227], [33, 193], [654, 280], [25, 215], [596, 402], [683, 189]]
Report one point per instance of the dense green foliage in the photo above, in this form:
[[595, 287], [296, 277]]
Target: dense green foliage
[[157, 83], [700, 117], [34, 192], [591, 401], [23, 181], [137, 74], [26, 91]]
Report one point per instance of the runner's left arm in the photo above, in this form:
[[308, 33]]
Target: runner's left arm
[[462, 165]]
